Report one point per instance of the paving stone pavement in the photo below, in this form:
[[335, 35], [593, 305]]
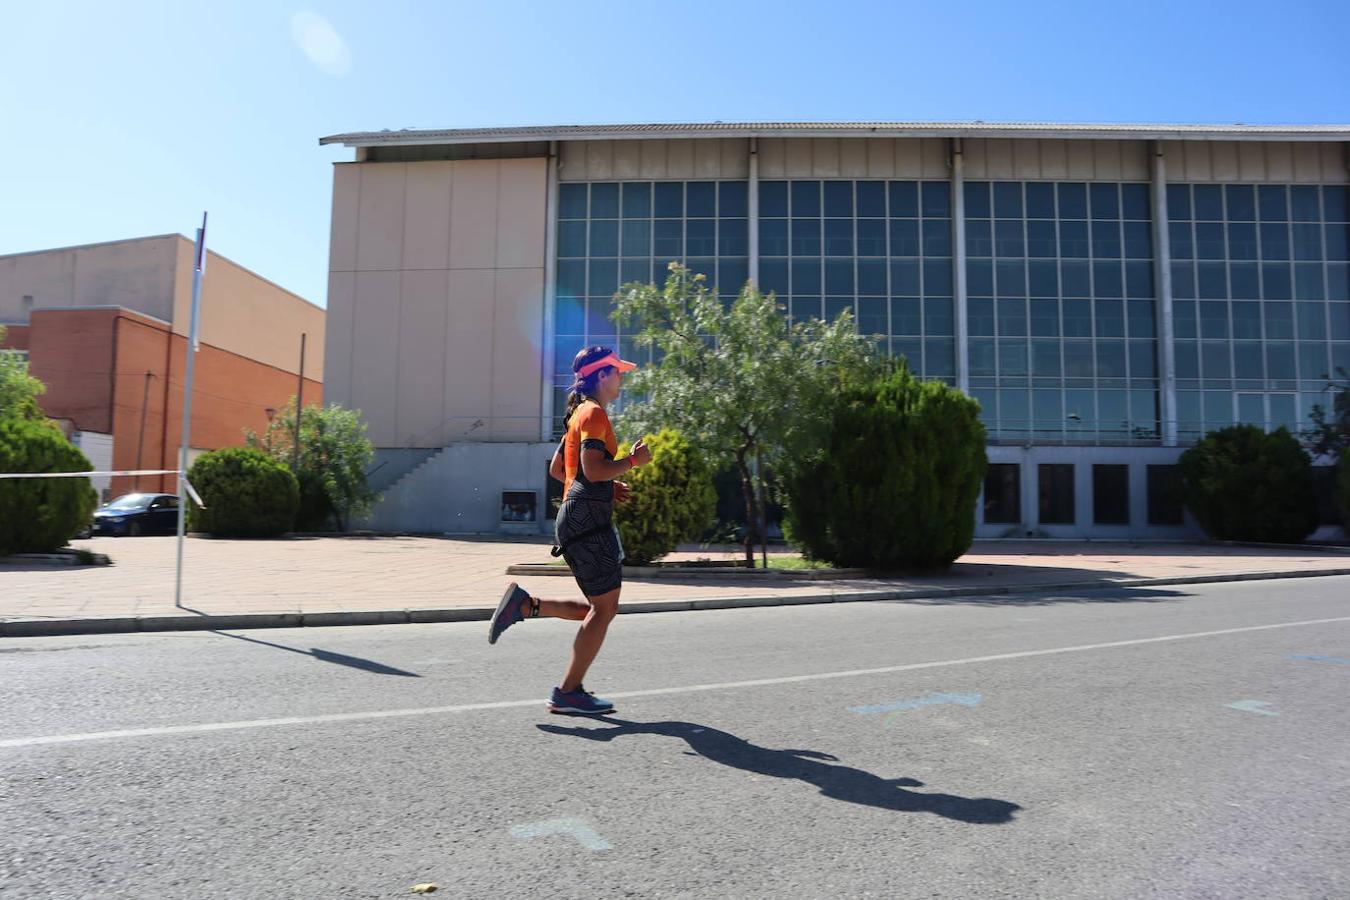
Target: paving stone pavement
[[337, 574]]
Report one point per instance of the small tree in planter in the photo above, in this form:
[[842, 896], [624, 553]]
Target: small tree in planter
[[672, 499], [39, 515], [246, 494], [893, 480], [334, 456], [1243, 484]]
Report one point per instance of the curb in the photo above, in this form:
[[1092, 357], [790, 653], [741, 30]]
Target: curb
[[232, 621], [544, 570]]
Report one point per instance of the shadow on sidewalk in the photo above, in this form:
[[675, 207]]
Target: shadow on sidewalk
[[835, 781], [340, 659]]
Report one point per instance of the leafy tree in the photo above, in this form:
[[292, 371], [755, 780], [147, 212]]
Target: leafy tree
[[894, 482], [1243, 484], [18, 390], [1330, 431], [739, 380], [247, 494], [334, 456], [39, 515], [672, 499]]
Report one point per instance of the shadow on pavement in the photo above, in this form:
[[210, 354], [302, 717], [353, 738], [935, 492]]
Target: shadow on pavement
[[835, 781], [340, 659], [1051, 596]]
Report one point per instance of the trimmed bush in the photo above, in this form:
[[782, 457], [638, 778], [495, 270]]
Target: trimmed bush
[[894, 485], [39, 515], [1243, 484], [672, 499], [246, 494]]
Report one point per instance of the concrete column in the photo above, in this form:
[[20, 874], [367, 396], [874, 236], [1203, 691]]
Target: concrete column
[[550, 293], [753, 213], [959, 265], [1162, 278]]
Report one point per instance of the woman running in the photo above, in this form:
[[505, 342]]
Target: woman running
[[585, 533]]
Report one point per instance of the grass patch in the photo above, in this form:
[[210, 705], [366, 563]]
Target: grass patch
[[796, 563]]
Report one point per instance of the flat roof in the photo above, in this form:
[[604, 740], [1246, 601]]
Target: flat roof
[[1234, 132]]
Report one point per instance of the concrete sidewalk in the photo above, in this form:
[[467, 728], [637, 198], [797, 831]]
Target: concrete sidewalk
[[367, 580]]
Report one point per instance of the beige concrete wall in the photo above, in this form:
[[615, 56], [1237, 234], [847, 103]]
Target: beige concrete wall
[[1256, 161], [436, 296], [985, 158], [246, 314], [135, 274], [656, 159]]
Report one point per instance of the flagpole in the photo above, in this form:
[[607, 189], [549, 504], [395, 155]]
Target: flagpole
[[198, 267]]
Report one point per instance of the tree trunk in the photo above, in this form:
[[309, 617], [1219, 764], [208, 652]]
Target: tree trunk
[[763, 510], [751, 516]]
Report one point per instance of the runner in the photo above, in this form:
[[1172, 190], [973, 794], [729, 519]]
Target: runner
[[585, 533]]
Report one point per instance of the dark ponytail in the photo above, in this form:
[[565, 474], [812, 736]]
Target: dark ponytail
[[583, 389]]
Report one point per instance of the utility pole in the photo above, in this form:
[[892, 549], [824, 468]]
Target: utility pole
[[299, 406]]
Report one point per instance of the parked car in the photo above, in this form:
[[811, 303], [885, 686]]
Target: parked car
[[131, 515]]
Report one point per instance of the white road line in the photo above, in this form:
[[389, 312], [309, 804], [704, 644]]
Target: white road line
[[655, 692]]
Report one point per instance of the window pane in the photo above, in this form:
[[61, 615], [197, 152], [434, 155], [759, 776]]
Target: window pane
[[1008, 199], [806, 237], [1241, 203], [637, 200], [701, 199], [1073, 200], [937, 240], [936, 199], [1040, 200], [1208, 202], [1003, 493], [806, 198], [668, 200], [905, 237], [572, 201], [839, 198], [1111, 495], [1303, 203], [871, 237], [1179, 202], [605, 200], [937, 316], [871, 198], [980, 237], [1135, 203], [773, 199], [1164, 496], [1105, 201], [838, 237], [604, 237], [1055, 481], [904, 199], [732, 200], [1274, 203], [905, 278]]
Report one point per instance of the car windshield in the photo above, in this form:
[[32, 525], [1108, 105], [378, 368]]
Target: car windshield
[[131, 501]]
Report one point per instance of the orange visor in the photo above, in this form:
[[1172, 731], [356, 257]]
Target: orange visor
[[622, 365]]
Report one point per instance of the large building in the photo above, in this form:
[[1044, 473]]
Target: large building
[[1108, 292], [105, 327]]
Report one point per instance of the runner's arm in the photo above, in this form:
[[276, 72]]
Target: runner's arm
[[597, 468], [555, 468]]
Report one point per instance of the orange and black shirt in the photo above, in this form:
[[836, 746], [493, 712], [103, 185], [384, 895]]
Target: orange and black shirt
[[589, 428]]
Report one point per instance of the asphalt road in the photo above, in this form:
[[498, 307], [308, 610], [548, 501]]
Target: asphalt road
[[1187, 742]]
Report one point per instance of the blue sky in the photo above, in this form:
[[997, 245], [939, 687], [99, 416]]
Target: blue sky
[[128, 119]]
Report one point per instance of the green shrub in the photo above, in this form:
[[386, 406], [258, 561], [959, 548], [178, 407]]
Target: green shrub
[[1243, 484], [39, 515], [672, 499], [893, 485], [246, 494]]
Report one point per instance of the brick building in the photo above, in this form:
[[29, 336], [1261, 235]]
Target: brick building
[[105, 327]]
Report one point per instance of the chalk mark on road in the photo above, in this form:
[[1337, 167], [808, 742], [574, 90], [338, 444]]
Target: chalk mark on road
[[577, 828], [1252, 706]]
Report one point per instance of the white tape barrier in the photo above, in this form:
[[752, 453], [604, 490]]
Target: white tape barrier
[[87, 474], [192, 492]]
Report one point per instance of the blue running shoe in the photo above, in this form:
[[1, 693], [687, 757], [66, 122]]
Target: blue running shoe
[[508, 612], [580, 701]]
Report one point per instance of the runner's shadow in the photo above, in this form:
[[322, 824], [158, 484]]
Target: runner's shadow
[[839, 782]]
